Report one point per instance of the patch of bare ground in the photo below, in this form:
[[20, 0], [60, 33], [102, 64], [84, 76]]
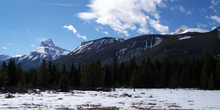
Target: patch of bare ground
[[99, 108]]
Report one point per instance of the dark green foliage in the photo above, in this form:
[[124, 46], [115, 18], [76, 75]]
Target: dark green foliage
[[208, 68], [64, 83], [3, 75], [93, 75], [43, 74], [11, 71], [217, 74], [197, 73]]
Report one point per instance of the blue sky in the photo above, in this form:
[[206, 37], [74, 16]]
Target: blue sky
[[25, 23]]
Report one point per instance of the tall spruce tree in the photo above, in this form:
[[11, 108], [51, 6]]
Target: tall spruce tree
[[43, 74], [208, 68], [217, 75], [3, 75], [11, 71], [93, 76]]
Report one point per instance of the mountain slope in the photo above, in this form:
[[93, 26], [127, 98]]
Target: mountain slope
[[174, 47], [186, 46], [4, 57], [47, 50], [184, 29]]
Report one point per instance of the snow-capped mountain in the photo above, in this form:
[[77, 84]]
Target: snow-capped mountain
[[97, 45], [193, 43], [185, 29], [107, 49], [47, 50], [4, 57]]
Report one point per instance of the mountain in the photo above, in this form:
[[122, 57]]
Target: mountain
[[184, 29], [47, 50], [183, 46], [4, 57]]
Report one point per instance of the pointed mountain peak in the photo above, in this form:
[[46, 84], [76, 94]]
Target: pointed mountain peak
[[47, 42], [181, 29]]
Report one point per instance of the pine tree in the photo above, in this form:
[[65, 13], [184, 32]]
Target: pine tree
[[108, 76], [34, 78], [20, 74], [43, 74], [114, 70], [11, 71], [208, 68], [64, 83], [4, 79], [217, 75], [211, 82], [93, 76]]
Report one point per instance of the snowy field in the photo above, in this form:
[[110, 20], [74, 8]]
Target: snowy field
[[118, 99]]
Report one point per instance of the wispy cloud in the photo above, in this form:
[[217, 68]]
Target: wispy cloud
[[214, 5], [41, 39], [124, 15], [61, 4], [32, 45], [18, 55], [4, 47], [216, 18], [73, 29]]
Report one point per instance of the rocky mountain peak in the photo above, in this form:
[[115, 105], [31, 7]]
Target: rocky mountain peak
[[47, 42]]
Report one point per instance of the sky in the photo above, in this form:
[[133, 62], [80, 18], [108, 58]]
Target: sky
[[24, 24]]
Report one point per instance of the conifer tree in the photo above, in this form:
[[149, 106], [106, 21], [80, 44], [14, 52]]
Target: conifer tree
[[64, 83], [93, 76], [43, 74], [20, 74], [108, 77], [211, 82], [217, 75], [208, 68], [11, 71], [3, 75]]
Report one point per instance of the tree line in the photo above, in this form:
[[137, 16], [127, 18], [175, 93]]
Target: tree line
[[203, 73]]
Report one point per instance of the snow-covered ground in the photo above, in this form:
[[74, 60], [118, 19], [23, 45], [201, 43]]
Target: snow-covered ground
[[120, 98]]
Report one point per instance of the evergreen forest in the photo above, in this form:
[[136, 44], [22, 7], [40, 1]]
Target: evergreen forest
[[202, 73]]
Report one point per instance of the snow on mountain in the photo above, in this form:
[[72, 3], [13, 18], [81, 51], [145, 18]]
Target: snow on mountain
[[184, 29], [4, 57], [135, 49], [47, 50], [97, 44], [185, 37]]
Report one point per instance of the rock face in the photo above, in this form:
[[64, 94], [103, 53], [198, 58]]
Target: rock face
[[4, 57], [47, 50], [182, 46]]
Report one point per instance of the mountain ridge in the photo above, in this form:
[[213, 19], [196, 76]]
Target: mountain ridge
[[155, 46]]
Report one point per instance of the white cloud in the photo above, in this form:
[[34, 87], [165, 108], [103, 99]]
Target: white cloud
[[214, 5], [200, 25], [81, 36], [183, 10], [4, 48], [216, 18], [124, 15], [71, 28], [157, 26], [32, 45], [61, 4], [106, 33], [18, 55], [214, 27]]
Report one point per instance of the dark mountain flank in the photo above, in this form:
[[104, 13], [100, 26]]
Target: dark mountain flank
[[178, 47]]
